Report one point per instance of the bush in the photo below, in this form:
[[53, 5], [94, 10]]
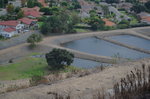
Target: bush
[[58, 58]]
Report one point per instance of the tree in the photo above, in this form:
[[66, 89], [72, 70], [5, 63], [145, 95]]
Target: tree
[[33, 3], [33, 39], [137, 8], [96, 23], [147, 5], [10, 8], [23, 2], [63, 22], [20, 14], [3, 3], [58, 58]]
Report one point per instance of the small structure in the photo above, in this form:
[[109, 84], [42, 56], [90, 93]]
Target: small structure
[[108, 23]]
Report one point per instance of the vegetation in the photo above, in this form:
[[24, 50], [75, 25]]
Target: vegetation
[[58, 58], [33, 3], [10, 8], [25, 68], [63, 22], [3, 3], [96, 23], [33, 39]]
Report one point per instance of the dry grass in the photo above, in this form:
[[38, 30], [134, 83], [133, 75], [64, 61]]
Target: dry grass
[[135, 85]]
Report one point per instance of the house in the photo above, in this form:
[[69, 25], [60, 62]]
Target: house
[[145, 17], [8, 32], [32, 12], [108, 23], [10, 28], [28, 22]]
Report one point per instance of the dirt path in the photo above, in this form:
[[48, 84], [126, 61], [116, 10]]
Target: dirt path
[[79, 86], [46, 45]]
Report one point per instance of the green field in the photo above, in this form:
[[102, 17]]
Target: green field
[[28, 67]]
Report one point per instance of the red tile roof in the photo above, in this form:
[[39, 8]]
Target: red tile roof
[[108, 23], [9, 29], [27, 20], [44, 4], [30, 9], [9, 23], [32, 12]]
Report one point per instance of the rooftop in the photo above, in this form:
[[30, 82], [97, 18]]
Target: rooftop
[[108, 23], [9, 23], [9, 29], [27, 20]]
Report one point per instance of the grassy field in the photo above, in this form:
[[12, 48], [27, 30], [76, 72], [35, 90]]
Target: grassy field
[[28, 67], [24, 68]]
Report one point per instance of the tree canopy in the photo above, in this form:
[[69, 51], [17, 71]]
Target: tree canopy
[[58, 58], [34, 38], [63, 22]]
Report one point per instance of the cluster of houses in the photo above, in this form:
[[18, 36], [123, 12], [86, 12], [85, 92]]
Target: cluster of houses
[[13, 27]]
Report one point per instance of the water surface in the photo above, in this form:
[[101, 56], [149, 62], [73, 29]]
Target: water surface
[[82, 63], [133, 40], [100, 47]]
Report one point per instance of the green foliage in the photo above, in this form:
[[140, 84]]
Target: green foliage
[[20, 14], [3, 3], [138, 8], [10, 8], [112, 1], [147, 5], [24, 68], [63, 22], [123, 24], [96, 23], [33, 3], [58, 58], [34, 38]]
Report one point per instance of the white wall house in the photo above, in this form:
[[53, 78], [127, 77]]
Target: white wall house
[[10, 28], [9, 32]]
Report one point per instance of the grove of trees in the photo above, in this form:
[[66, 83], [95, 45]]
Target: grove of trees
[[62, 22]]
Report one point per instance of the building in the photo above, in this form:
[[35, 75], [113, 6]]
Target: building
[[8, 32], [10, 28], [108, 23], [32, 12], [28, 22]]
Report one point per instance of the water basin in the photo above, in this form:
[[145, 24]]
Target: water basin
[[100, 47]]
